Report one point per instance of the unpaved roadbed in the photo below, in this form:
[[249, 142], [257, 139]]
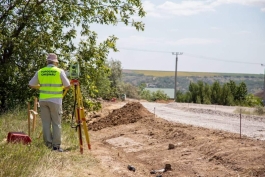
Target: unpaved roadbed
[[210, 117]]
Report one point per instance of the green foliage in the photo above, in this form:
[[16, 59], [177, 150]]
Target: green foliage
[[228, 94], [185, 98], [226, 97], [252, 101], [31, 29], [216, 91], [207, 94], [130, 91], [115, 77], [241, 92], [233, 88], [153, 96], [142, 86], [159, 95], [194, 90], [146, 94]]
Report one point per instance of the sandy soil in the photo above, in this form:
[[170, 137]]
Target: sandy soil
[[169, 140]]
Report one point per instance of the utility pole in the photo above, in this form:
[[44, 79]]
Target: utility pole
[[176, 70], [263, 85]]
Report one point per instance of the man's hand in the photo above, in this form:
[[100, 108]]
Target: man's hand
[[65, 90], [35, 86]]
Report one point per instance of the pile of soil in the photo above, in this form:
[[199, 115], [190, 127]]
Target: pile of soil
[[129, 113]]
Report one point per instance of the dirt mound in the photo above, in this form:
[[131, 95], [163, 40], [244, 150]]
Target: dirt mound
[[129, 113]]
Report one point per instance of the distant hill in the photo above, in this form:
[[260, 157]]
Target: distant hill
[[166, 79], [186, 73]]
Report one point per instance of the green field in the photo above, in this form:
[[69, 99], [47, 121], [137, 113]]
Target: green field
[[184, 73]]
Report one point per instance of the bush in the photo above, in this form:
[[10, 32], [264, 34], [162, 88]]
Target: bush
[[130, 91], [153, 96], [252, 101], [146, 95], [159, 95]]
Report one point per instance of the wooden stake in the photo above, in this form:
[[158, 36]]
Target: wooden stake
[[34, 115], [240, 123], [29, 119]]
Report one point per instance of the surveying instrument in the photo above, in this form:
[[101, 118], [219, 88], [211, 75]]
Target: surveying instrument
[[78, 111]]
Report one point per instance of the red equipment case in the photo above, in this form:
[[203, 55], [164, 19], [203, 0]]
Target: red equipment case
[[18, 137]]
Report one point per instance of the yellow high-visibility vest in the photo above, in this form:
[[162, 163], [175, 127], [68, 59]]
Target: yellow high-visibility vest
[[51, 85]]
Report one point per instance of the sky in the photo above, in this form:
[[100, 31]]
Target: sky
[[224, 36]]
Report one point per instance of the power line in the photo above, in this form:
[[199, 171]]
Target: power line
[[191, 55]]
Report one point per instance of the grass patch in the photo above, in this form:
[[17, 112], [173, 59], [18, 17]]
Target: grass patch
[[36, 159], [258, 110]]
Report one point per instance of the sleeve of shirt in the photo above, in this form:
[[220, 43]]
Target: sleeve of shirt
[[34, 81], [65, 80]]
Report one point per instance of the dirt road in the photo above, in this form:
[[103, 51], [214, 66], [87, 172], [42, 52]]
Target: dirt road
[[129, 134], [219, 118]]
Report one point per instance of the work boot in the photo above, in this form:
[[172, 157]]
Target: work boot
[[57, 149]]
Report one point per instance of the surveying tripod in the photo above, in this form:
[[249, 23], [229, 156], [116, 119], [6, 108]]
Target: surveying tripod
[[79, 110]]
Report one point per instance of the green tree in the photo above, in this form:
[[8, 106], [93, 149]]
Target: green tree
[[216, 92], [194, 90], [131, 91], [241, 91], [207, 94], [141, 87], [181, 97], [31, 29], [233, 88], [201, 92], [226, 96], [115, 77]]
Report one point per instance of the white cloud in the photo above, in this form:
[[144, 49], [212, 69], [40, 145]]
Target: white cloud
[[194, 41], [150, 9], [187, 8], [260, 3]]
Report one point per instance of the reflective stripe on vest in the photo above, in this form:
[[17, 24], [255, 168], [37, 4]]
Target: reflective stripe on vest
[[50, 83]]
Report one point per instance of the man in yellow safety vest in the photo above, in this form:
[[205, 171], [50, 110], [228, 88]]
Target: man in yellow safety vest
[[51, 81]]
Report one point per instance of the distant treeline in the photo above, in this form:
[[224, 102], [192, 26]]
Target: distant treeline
[[166, 79], [229, 94]]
